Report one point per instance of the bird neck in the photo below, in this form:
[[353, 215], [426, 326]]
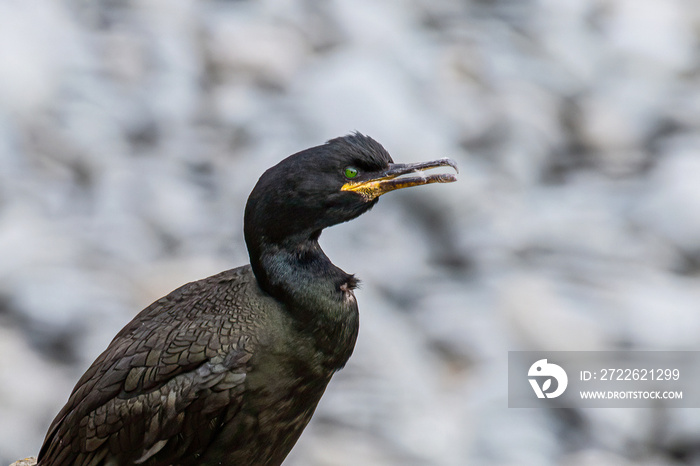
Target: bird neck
[[317, 294], [299, 274]]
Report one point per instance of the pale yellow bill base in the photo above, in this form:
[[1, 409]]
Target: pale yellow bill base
[[401, 175]]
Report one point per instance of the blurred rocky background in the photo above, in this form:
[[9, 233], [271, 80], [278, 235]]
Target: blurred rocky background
[[131, 133]]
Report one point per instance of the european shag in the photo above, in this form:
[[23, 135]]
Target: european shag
[[229, 369]]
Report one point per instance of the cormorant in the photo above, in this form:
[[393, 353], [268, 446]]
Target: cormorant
[[228, 370]]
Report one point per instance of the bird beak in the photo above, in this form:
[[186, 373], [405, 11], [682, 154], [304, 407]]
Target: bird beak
[[393, 178]]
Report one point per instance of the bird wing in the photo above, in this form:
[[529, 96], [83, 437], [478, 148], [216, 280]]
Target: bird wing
[[164, 384]]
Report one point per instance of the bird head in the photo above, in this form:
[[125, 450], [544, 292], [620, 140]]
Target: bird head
[[326, 185]]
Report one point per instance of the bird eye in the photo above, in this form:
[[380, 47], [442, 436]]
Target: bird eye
[[351, 172]]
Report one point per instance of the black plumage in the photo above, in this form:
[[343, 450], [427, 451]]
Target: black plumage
[[229, 369]]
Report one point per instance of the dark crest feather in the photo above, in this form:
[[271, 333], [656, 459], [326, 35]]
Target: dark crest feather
[[364, 149]]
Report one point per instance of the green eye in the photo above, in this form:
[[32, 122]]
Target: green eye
[[351, 172]]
